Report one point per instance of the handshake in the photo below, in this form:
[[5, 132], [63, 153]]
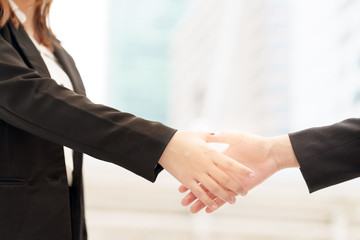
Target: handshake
[[214, 178]]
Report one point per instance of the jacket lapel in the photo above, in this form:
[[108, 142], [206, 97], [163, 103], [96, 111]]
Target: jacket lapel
[[68, 66], [34, 59], [29, 50]]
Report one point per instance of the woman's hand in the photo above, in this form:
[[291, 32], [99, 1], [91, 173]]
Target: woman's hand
[[198, 167], [263, 155]]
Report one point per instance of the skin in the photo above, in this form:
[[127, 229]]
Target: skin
[[27, 7], [190, 160], [265, 156], [187, 156]]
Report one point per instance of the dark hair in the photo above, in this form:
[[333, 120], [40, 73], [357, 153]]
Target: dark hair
[[43, 33]]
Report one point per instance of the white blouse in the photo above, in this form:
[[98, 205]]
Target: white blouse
[[58, 74]]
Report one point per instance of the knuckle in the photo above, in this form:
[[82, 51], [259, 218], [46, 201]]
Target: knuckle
[[221, 133], [245, 191], [215, 191], [228, 164], [204, 198], [227, 197], [227, 181], [239, 189], [197, 192]]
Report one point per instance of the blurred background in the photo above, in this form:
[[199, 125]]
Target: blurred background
[[268, 67]]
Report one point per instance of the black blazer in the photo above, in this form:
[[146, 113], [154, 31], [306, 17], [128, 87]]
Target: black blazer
[[328, 155], [37, 118]]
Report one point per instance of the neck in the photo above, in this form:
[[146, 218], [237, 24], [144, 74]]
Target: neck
[[28, 8]]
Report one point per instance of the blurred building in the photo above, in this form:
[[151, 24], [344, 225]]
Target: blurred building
[[140, 34], [325, 60], [230, 66]]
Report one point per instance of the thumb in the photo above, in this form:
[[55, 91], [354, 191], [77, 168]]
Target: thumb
[[222, 137]]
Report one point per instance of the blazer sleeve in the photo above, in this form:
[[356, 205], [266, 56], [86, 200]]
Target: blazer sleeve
[[41, 107], [328, 155]]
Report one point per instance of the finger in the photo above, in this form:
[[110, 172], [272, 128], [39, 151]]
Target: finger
[[183, 189], [219, 202], [230, 165], [198, 205], [227, 181], [200, 193], [223, 137], [220, 192], [188, 199]]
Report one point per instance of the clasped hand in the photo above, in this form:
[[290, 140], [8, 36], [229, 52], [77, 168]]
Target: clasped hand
[[264, 156], [204, 171]]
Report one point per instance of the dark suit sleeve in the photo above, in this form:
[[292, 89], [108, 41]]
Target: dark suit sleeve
[[41, 107], [328, 155]]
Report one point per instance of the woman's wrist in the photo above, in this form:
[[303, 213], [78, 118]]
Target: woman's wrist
[[282, 152]]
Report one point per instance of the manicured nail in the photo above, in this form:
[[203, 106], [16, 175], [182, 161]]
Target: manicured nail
[[213, 206], [251, 175]]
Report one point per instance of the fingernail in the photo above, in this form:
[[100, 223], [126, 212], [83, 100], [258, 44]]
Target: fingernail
[[251, 175], [213, 207], [233, 200], [212, 133]]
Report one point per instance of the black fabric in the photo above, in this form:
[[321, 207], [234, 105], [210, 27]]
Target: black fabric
[[37, 118], [328, 155]]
